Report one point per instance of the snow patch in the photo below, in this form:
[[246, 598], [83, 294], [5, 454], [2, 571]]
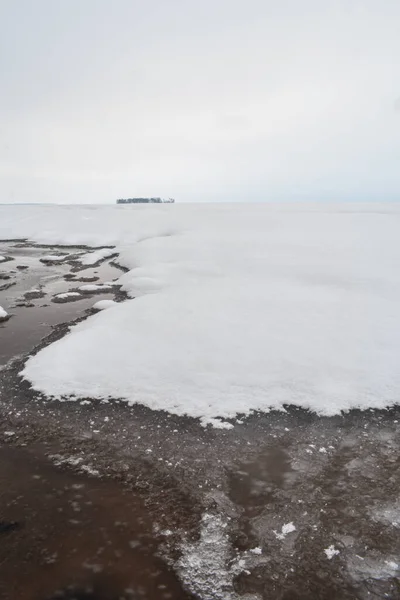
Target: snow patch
[[203, 566], [53, 258], [331, 552], [286, 528], [89, 470], [94, 287], [91, 258], [59, 460], [67, 295], [3, 314], [104, 304], [73, 461], [216, 423]]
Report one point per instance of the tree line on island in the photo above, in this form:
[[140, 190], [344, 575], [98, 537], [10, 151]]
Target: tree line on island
[[145, 201]]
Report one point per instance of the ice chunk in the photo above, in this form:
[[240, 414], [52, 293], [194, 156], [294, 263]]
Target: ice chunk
[[92, 258]]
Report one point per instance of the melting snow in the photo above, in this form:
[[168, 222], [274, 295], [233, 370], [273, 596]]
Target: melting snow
[[203, 565], [53, 258], [92, 258], [67, 295], [217, 423], [93, 287], [208, 567]]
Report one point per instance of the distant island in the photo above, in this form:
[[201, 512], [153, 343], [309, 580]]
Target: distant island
[[145, 201]]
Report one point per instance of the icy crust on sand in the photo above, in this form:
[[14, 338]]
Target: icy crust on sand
[[237, 307], [208, 566]]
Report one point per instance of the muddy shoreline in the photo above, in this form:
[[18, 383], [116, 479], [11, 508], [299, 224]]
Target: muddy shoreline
[[337, 480]]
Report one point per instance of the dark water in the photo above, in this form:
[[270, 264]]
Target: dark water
[[69, 536], [32, 318], [253, 483]]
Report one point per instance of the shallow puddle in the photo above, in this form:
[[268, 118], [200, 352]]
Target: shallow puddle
[[25, 278], [64, 535], [253, 484]]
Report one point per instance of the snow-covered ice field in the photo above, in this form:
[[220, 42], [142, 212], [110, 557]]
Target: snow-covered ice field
[[237, 307]]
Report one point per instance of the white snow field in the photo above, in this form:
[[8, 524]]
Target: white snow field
[[238, 307]]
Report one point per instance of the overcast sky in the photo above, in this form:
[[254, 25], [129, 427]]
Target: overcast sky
[[201, 100]]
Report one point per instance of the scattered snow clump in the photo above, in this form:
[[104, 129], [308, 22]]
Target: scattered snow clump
[[104, 304], [67, 295], [331, 552], [216, 423], [53, 258], [204, 566], [91, 258], [287, 528], [3, 314]]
